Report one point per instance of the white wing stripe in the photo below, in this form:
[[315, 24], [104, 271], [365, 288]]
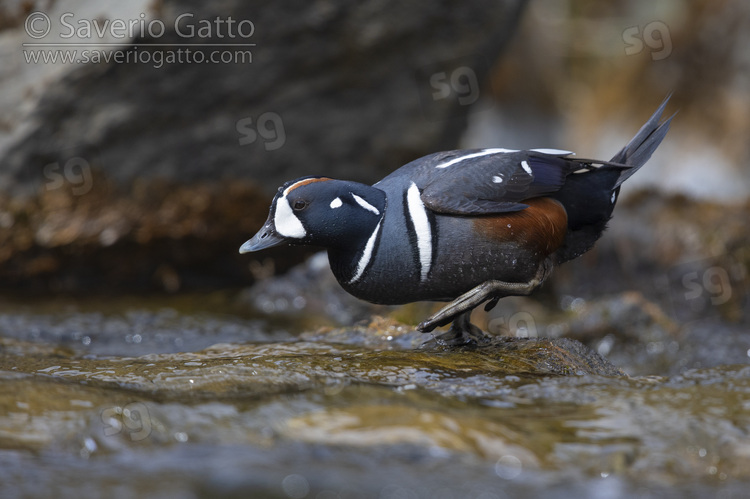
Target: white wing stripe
[[484, 152]]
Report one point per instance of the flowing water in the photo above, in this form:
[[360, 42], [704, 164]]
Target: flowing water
[[190, 398]]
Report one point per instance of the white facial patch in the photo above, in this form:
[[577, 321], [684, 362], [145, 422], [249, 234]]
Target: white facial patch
[[484, 152], [286, 222], [526, 167], [364, 204], [497, 179], [336, 203], [422, 229]]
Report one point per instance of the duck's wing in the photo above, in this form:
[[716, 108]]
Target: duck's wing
[[487, 181]]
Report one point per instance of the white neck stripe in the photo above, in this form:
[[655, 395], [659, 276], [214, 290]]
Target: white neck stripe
[[364, 204], [366, 255], [485, 152], [422, 229]]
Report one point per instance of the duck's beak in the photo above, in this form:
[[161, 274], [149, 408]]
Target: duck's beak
[[267, 237]]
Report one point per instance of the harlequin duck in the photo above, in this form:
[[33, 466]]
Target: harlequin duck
[[467, 226]]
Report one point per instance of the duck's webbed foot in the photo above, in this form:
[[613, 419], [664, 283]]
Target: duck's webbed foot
[[463, 332]]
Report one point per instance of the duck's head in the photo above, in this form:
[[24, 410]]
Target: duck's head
[[320, 211]]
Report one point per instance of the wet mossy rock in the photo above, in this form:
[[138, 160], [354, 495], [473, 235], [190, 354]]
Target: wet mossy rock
[[373, 355], [338, 80], [500, 356]]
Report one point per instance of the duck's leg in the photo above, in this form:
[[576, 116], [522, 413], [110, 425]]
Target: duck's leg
[[464, 304]]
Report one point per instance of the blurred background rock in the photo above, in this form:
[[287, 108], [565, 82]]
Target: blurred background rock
[[132, 177]]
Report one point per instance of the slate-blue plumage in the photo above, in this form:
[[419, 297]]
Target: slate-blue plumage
[[469, 226]]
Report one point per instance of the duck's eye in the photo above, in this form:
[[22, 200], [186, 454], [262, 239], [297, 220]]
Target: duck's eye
[[300, 204]]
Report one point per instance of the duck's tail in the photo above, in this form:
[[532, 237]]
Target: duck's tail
[[642, 146]]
